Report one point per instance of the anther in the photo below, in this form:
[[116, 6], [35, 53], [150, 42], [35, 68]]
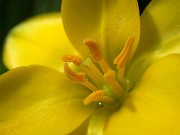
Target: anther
[[96, 54], [94, 96], [93, 48], [98, 96], [122, 58], [72, 58], [78, 78]]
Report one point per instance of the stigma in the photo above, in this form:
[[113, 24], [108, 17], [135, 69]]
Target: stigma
[[106, 85]]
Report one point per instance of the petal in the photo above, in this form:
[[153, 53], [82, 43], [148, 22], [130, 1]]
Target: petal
[[153, 107], [110, 22], [40, 40], [38, 100], [160, 35]]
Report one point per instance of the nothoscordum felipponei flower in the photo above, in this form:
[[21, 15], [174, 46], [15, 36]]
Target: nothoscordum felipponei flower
[[111, 83]]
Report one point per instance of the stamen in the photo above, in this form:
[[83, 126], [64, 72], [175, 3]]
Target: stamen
[[96, 54], [103, 78], [121, 74], [93, 48], [97, 96], [79, 78], [122, 58], [94, 96], [109, 100], [109, 76], [72, 58]]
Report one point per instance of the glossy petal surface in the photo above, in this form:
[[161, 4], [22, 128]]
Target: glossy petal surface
[[153, 107], [40, 40], [160, 35], [37, 100], [110, 22]]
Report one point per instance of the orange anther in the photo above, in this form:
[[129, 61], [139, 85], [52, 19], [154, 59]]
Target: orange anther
[[72, 58], [94, 96], [93, 48], [77, 77], [121, 59]]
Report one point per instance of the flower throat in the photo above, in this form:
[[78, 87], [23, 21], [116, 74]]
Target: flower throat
[[105, 84]]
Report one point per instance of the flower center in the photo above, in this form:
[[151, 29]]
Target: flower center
[[106, 85]]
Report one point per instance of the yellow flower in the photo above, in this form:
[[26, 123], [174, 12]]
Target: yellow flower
[[117, 83]]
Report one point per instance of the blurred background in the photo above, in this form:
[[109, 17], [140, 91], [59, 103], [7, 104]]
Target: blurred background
[[13, 12]]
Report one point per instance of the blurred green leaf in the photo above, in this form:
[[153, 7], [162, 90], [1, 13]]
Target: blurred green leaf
[[2, 68], [42, 6]]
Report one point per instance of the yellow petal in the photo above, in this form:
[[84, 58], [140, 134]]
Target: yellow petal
[[153, 107], [160, 35], [39, 40], [37, 100], [110, 22]]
